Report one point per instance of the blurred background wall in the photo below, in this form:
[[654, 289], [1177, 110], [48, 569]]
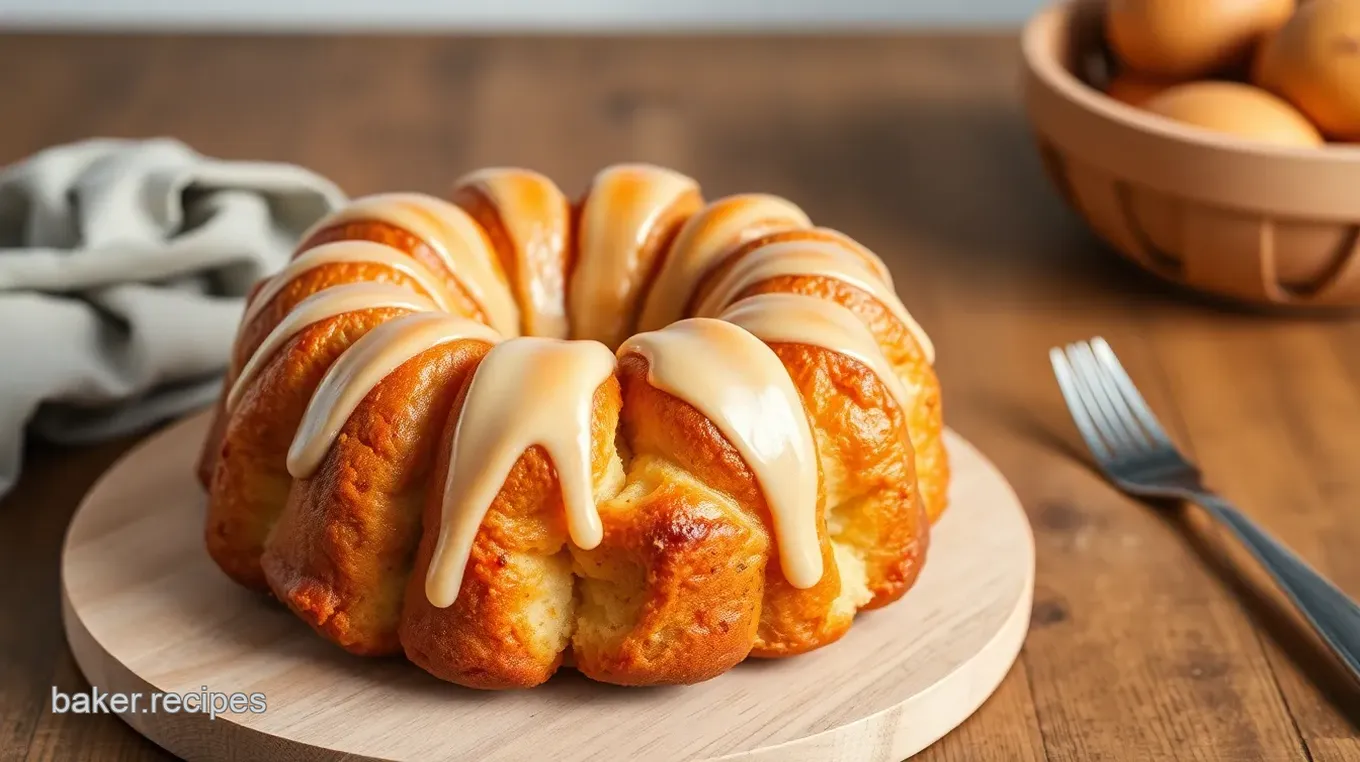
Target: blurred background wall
[[513, 14]]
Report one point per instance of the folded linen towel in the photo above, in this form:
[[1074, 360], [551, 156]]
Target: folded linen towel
[[123, 272]]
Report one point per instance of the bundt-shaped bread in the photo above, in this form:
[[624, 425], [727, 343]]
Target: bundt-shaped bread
[[641, 434]]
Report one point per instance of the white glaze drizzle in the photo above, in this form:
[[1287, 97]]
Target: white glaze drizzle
[[527, 391], [799, 319], [873, 260], [808, 258], [454, 237], [339, 252], [625, 204], [739, 383], [362, 367], [536, 217], [327, 303], [704, 240]]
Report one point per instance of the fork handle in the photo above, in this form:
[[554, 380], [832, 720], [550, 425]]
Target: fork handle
[[1333, 615]]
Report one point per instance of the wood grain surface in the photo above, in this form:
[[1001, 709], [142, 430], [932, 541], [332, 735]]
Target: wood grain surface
[[1151, 638]]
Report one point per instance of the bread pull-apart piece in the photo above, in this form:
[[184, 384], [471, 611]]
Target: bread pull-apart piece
[[722, 484], [311, 271], [527, 219], [626, 222], [528, 451], [704, 241], [672, 595], [874, 517], [440, 236], [265, 405], [831, 267], [340, 552]]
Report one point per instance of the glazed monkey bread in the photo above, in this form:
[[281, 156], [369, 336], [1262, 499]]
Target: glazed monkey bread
[[640, 433]]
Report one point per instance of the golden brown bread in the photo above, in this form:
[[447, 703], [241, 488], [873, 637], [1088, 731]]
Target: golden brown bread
[[380, 231], [251, 483], [925, 422], [653, 251], [260, 321], [515, 613], [339, 553], [672, 594], [534, 250], [686, 581], [873, 515], [604, 291]]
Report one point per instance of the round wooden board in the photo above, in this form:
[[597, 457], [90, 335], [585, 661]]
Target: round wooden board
[[147, 611]]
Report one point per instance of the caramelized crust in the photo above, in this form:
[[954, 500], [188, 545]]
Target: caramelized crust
[[515, 611], [402, 240], [483, 211], [250, 482], [794, 621], [874, 513], [341, 550], [925, 421], [252, 333], [309, 282], [212, 443], [672, 594], [652, 253], [872, 516], [815, 235], [644, 264], [548, 265]]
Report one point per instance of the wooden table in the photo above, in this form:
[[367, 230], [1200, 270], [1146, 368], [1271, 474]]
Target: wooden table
[[1150, 638]]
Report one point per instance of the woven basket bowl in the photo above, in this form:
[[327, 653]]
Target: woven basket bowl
[[1255, 223]]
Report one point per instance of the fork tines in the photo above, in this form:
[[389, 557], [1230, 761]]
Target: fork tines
[[1111, 415]]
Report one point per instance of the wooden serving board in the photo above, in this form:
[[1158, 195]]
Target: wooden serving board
[[147, 611]]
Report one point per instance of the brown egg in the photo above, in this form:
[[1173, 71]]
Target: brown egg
[[1185, 39], [1236, 109], [1314, 62], [1135, 89]]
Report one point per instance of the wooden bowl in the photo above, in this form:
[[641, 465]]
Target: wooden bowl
[[1255, 223]]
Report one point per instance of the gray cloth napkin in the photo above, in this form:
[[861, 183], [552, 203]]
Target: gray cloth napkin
[[123, 271]]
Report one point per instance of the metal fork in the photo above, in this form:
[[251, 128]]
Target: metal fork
[[1133, 450]]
